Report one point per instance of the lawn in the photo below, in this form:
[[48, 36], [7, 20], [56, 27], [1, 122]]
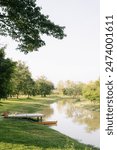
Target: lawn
[[17, 134]]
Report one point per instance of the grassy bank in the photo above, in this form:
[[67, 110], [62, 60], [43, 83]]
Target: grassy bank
[[24, 135], [81, 102]]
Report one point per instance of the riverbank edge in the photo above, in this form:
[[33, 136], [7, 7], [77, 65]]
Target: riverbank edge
[[8, 124]]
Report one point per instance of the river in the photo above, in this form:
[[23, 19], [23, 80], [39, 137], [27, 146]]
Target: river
[[78, 123]]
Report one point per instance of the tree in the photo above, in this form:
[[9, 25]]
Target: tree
[[69, 84], [78, 88], [72, 88], [6, 70], [44, 87], [29, 86], [60, 87], [21, 80], [68, 91], [92, 91], [24, 22]]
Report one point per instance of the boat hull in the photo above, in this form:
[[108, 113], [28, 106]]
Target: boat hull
[[47, 122]]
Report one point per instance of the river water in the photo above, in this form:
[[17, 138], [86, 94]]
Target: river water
[[78, 123]]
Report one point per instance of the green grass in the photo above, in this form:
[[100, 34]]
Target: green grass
[[24, 105], [87, 104], [17, 134], [27, 135]]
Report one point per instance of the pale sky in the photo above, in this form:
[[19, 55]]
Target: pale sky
[[76, 57]]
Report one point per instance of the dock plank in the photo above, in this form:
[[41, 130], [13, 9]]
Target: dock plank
[[24, 115]]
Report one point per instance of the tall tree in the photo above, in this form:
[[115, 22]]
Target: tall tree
[[24, 22], [44, 87], [29, 86], [20, 79], [6, 70]]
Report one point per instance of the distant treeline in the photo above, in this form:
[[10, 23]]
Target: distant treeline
[[16, 79], [89, 91]]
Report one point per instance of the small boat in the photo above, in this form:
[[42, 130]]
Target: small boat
[[47, 122]]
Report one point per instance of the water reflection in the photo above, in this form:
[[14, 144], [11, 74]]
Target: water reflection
[[81, 116], [75, 122], [48, 112]]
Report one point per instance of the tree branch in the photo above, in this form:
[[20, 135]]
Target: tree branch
[[3, 16]]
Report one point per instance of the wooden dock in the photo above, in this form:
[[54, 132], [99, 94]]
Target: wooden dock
[[36, 115]]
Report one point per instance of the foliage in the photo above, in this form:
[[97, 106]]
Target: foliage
[[68, 91], [6, 71], [92, 91], [24, 22], [60, 87], [29, 86], [21, 80], [73, 89], [44, 87]]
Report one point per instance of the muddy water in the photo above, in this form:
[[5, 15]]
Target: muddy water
[[78, 123]]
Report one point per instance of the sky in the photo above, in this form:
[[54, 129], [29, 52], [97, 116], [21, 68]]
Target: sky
[[76, 57]]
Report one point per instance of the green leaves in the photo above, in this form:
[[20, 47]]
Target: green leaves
[[22, 81], [44, 87], [6, 70], [24, 22], [92, 91]]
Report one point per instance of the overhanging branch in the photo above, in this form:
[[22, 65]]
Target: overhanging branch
[[3, 16]]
